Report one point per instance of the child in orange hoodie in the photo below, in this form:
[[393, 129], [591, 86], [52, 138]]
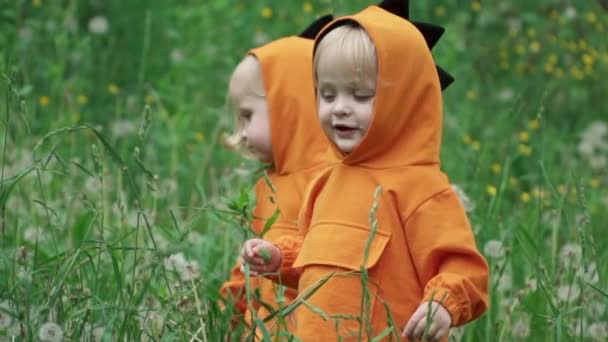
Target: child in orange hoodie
[[272, 92], [413, 264]]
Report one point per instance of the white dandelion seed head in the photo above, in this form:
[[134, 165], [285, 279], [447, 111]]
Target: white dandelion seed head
[[494, 249], [596, 131], [50, 332], [92, 185], [176, 56], [506, 95], [175, 262], [25, 34], [99, 25], [568, 293], [570, 254], [5, 318], [570, 13], [598, 162], [589, 274], [17, 329], [531, 284], [595, 308], [466, 202], [123, 128], [598, 331], [521, 327], [260, 38], [191, 271]]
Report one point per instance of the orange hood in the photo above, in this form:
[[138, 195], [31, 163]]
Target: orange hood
[[406, 126], [298, 143]]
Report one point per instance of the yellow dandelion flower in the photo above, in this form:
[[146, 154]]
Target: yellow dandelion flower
[[599, 27], [491, 190], [534, 124], [476, 145], [199, 136], [307, 7], [589, 69], [594, 183], [559, 72], [524, 136], [525, 197], [554, 14], [472, 94], [524, 149], [591, 17], [520, 49], [577, 73], [535, 46], [538, 193], [75, 118], [476, 6], [503, 53], [267, 12], [82, 99], [113, 89], [44, 100], [552, 58], [149, 99], [572, 46], [561, 189], [549, 68], [440, 11], [582, 44], [531, 32], [496, 168], [467, 139], [36, 3], [587, 59], [513, 181]]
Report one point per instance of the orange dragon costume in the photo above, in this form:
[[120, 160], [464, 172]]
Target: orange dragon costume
[[298, 148], [423, 247]]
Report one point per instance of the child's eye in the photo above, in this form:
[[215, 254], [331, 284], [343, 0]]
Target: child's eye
[[328, 96], [245, 115], [363, 96]]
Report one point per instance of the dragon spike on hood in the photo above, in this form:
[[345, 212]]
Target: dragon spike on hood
[[432, 33], [311, 31]]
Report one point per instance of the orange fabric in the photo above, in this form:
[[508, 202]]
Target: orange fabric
[[299, 147], [424, 247]]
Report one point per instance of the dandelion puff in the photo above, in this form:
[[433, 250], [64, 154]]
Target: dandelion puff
[[191, 271], [17, 329], [260, 38], [505, 283], [467, 203], [571, 254], [595, 308], [494, 249], [598, 331], [5, 318], [50, 332], [568, 293], [570, 13], [123, 128], [176, 262], [99, 25], [521, 328], [176, 56]]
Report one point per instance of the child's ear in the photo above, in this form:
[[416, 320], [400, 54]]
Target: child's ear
[[313, 29]]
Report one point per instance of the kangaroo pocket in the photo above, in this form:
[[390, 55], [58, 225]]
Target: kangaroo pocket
[[334, 254]]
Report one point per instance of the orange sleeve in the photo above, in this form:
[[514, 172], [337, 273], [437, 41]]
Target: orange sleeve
[[234, 290], [446, 257], [290, 246]]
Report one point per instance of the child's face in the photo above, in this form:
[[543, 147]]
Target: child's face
[[345, 104], [253, 113]]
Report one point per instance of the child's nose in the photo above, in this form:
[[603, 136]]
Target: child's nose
[[341, 107]]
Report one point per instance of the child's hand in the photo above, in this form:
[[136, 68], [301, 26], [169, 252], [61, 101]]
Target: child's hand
[[440, 322], [261, 256]]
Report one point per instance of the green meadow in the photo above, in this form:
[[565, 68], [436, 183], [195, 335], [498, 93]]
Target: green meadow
[[121, 211]]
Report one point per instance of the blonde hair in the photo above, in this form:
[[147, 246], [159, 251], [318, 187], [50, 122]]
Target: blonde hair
[[351, 49], [246, 80]]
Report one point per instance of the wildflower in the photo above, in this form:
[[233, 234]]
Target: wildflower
[[505, 283], [199, 136], [37, 3], [568, 293], [494, 249], [521, 328], [191, 271], [5, 318], [99, 25], [440, 11], [175, 262], [589, 274], [50, 332], [123, 128], [307, 7], [472, 95], [571, 254], [531, 284], [491, 190], [464, 199], [533, 124], [535, 46], [594, 183], [260, 37], [476, 145], [113, 89], [466, 139], [570, 13], [524, 149], [476, 6], [506, 94], [595, 308], [82, 99], [496, 168], [525, 197], [267, 12], [598, 331], [524, 136], [44, 101]]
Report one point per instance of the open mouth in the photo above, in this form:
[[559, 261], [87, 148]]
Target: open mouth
[[345, 130]]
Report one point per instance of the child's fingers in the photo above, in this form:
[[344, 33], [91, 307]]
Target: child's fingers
[[439, 334], [413, 322], [433, 329]]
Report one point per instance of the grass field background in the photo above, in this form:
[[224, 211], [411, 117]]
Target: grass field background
[[121, 212]]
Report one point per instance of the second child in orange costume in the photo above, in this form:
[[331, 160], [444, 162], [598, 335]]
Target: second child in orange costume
[[272, 90], [379, 101]]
